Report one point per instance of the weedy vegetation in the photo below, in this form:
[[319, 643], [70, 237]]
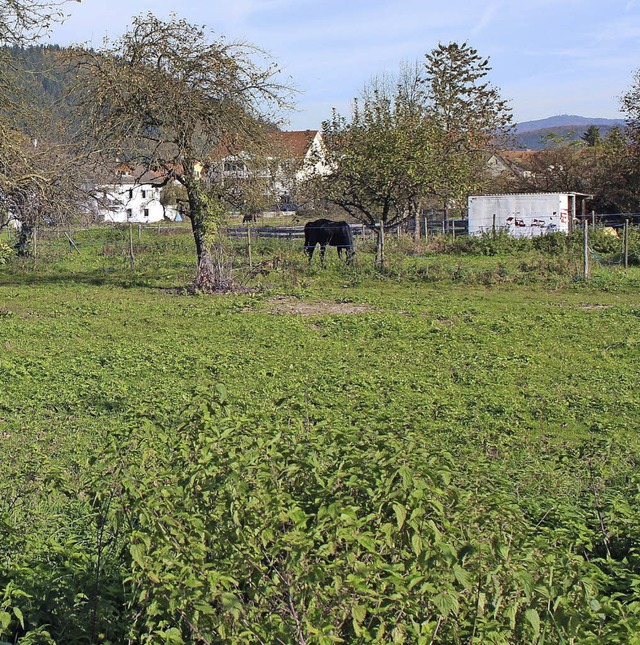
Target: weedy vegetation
[[443, 452]]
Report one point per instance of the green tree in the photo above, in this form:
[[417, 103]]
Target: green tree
[[618, 181], [381, 159], [423, 134], [167, 97], [467, 115], [591, 136]]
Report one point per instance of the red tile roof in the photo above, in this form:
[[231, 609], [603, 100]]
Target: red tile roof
[[293, 144]]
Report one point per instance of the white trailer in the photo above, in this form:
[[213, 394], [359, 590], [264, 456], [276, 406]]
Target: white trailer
[[523, 214]]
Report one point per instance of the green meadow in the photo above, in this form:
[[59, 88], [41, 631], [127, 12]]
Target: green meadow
[[443, 453]]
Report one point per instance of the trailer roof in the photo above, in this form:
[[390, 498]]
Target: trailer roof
[[531, 194]]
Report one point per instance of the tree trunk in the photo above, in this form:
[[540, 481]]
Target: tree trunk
[[24, 245], [213, 274], [380, 245]]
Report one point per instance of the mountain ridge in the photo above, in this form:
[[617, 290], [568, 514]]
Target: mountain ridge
[[565, 120], [530, 135]]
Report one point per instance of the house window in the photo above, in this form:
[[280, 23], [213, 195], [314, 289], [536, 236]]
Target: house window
[[129, 213], [130, 193], [234, 166], [144, 194], [146, 212]]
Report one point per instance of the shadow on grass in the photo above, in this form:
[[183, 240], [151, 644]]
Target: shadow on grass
[[29, 277]]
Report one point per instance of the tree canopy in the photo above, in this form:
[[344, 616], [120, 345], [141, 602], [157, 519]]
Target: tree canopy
[[424, 133], [169, 96], [39, 177]]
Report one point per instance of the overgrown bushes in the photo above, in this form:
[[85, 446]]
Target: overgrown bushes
[[233, 529]]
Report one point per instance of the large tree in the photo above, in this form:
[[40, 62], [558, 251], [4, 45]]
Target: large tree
[[468, 115], [421, 135], [167, 96], [39, 176], [382, 158]]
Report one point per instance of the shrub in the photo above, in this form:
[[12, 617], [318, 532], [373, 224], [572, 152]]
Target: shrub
[[6, 252]]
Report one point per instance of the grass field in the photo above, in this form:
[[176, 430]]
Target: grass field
[[444, 453]]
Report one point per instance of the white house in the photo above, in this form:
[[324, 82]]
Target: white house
[[134, 196], [291, 159]]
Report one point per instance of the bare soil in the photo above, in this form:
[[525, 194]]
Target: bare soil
[[289, 306]]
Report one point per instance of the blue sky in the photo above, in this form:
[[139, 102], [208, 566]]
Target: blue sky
[[548, 57]]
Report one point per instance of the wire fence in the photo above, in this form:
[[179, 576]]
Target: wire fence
[[134, 240]]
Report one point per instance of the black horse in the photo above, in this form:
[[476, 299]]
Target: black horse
[[326, 231]]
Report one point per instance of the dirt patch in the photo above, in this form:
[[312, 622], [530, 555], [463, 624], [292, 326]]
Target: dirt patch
[[588, 307], [287, 306]]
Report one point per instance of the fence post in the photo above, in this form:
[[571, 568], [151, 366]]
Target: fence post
[[131, 255], [72, 243], [249, 247], [626, 243], [585, 259]]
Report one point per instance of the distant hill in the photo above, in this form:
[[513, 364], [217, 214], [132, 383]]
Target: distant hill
[[565, 121], [528, 135]]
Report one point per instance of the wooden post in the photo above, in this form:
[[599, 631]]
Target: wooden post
[[626, 243], [593, 220], [139, 232], [426, 228], [131, 255], [71, 242], [493, 227], [249, 247], [585, 259], [35, 244]]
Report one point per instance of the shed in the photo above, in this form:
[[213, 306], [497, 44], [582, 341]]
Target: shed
[[524, 214]]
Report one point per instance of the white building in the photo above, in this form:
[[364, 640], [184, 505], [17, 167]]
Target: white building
[[523, 214], [134, 196], [290, 159]]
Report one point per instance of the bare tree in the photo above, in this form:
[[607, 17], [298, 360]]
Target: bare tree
[[165, 97], [40, 183], [36, 181], [23, 21]]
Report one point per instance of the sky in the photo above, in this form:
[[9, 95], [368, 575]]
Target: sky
[[548, 57]]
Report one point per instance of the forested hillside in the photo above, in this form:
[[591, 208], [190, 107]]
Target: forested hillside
[[37, 76]]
